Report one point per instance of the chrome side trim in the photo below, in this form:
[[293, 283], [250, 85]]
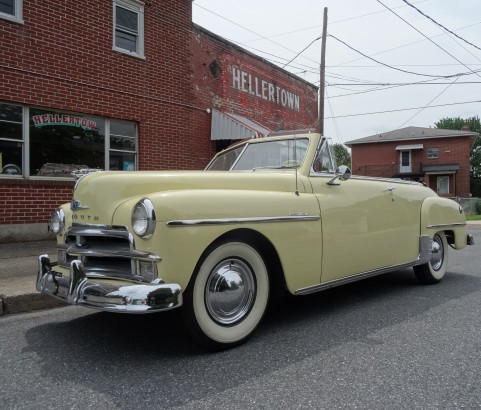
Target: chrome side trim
[[425, 243], [447, 225], [229, 221], [107, 295]]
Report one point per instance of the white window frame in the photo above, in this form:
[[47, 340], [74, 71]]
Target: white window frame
[[138, 8], [17, 15]]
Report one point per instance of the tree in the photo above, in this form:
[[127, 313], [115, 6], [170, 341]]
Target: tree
[[474, 124], [342, 155]]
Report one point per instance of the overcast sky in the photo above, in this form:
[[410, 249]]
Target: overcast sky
[[278, 30]]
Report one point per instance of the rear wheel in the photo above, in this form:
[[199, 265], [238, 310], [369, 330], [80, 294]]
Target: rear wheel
[[434, 271], [228, 297]]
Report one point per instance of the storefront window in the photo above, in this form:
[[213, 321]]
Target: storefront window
[[11, 139], [61, 143]]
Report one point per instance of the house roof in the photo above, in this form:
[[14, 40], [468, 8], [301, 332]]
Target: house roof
[[411, 134]]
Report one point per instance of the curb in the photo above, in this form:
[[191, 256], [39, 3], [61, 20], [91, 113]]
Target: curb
[[27, 303]]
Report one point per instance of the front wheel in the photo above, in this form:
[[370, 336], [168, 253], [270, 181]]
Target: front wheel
[[433, 271], [228, 296]]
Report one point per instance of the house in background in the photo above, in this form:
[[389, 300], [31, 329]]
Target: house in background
[[439, 158]]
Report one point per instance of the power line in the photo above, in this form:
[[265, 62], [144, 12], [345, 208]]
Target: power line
[[390, 66], [440, 25], [432, 41], [402, 109]]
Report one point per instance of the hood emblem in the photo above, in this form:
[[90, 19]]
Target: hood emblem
[[76, 205]]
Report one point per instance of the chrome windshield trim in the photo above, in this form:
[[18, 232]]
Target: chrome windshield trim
[[229, 221], [447, 225]]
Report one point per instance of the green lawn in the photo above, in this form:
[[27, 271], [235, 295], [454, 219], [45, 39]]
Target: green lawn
[[473, 217]]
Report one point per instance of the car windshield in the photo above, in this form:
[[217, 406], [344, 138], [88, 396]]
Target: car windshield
[[276, 154]]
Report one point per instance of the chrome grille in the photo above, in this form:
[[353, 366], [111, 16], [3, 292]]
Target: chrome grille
[[106, 251]]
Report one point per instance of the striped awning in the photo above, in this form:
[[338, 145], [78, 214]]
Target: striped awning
[[234, 127]]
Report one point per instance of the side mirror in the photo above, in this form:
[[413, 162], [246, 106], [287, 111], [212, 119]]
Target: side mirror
[[343, 173]]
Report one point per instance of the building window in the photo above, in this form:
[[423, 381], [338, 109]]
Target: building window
[[443, 185], [11, 139], [128, 27], [60, 144], [123, 145], [12, 10], [433, 152]]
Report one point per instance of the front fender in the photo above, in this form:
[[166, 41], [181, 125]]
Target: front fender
[[202, 216]]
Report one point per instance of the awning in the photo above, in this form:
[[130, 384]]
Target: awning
[[441, 169], [409, 147], [234, 127]]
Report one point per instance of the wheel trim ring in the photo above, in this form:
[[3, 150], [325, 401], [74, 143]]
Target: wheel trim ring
[[437, 256], [229, 304]]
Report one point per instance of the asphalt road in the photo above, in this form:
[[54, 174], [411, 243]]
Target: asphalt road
[[385, 343]]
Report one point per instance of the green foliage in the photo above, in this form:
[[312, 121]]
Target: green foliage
[[342, 155], [478, 208], [474, 124]]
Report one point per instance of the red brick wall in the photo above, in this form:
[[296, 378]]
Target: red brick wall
[[62, 58], [31, 201], [382, 159], [213, 61]]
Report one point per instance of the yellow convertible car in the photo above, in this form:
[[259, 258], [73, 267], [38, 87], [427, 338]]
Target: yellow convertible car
[[267, 215]]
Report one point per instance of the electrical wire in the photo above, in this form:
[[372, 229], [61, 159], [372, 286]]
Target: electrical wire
[[390, 66], [432, 41], [402, 109], [440, 25]]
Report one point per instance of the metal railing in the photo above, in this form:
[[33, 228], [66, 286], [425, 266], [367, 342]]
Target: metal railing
[[471, 206]]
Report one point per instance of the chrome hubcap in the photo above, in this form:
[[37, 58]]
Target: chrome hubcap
[[437, 255], [230, 291]]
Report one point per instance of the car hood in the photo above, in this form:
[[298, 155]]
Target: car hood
[[101, 193]]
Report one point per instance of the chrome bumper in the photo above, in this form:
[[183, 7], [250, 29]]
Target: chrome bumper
[[107, 295]]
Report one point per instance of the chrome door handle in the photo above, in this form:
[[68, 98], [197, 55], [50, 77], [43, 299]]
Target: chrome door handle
[[390, 188]]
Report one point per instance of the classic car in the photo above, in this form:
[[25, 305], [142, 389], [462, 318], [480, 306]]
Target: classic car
[[267, 215]]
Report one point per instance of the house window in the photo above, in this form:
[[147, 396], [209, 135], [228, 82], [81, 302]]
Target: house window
[[60, 144], [11, 10], [11, 139], [433, 152], [128, 27], [443, 185]]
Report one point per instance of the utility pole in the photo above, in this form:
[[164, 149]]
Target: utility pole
[[323, 74]]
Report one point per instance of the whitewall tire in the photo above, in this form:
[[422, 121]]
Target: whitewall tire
[[434, 271], [228, 296]]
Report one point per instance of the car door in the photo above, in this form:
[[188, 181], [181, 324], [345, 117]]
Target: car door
[[359, 223]]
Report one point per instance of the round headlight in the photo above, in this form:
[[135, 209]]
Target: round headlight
[[57, 221], [143, 218]]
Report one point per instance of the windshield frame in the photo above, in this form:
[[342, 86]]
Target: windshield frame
[[254, 142]]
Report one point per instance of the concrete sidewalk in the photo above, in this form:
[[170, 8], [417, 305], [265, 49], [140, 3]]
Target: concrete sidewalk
[[18, 275]]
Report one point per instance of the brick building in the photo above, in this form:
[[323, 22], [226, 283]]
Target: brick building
[[438, 158], [122, 85]]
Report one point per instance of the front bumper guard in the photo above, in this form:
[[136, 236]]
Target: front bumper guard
[[107, 295]]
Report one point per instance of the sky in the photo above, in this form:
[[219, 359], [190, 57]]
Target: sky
[[388, 65]]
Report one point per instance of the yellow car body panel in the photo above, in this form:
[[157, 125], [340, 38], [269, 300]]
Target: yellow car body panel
[[321, 226]]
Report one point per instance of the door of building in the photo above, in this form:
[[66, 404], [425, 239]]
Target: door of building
[[405, 162]]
